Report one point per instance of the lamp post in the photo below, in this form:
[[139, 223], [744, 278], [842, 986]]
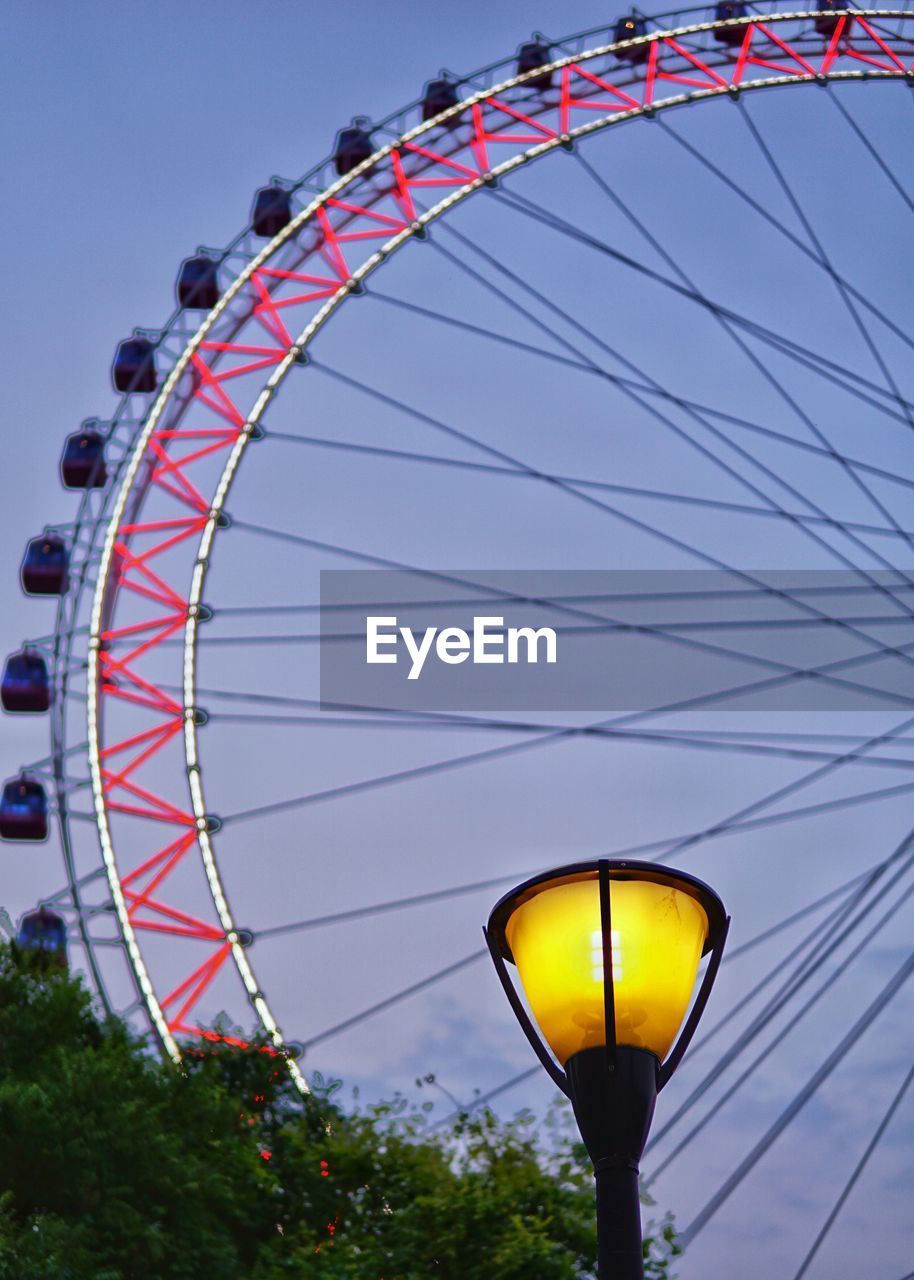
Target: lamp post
[[607, 953]]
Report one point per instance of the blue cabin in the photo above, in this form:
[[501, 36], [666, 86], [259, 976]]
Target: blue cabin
[[826, 22], [43, 931], [45, 568], [724, 12], [272, 212], [23, 809], [353, 146], [197, 287], [439, 95], [82, 465], [25, 685], [532, 54], [134, 366], [630, 28]]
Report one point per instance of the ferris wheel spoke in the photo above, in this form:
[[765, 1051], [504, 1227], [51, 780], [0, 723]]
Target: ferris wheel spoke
[[480, 331], [827, 671], [802, 446], [758, 207], [796, 352], [871, 149], [891, 989], [668, 629], [858, 1169], [764, 1053], [819, 809], [815, 241], [398, 997], [383, 780], [805, 780], [478, 886], [584, 482], [727, 747], [716, 595], [487, 283], [847, 379], [259, 698], [493, 262], [650, 389], [782, 998], [489, 1096], [741, 343], [808, 944], [552, 221], [741, 479], [820, 251], [653, 529], [382, 908], [800, 914]]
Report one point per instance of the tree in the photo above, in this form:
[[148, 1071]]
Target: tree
[[115, 1165]]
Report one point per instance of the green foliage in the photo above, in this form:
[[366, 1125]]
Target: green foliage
[[114, 1165]]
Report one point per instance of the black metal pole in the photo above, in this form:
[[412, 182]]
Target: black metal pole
[[613, 1104], [619, 1249]]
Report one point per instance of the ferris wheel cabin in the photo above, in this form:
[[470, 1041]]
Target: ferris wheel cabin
[[134, 366], [631, 27], [439, 95], [82, 464], [272, 212], [726, 12], [25, 685], [533, 54], [353, 147], [828, 19], [197, 287], [45, 932], [23, 809], [45, 568]]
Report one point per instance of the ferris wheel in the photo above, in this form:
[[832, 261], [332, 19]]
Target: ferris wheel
[[541, 316]]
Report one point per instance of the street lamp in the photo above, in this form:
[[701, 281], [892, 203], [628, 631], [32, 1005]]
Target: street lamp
[[607, 953]]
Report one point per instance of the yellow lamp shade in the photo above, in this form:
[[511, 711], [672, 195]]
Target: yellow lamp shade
[[659, 930]]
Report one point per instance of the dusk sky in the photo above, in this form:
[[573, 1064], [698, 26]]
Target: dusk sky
[[132, 134]]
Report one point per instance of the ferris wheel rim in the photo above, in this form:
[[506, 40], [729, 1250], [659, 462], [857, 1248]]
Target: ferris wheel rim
[[346, 291]]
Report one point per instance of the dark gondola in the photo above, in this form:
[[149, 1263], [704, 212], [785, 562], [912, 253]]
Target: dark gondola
[[724, 12], [134, 366], [23, 809], [82, 465], [45, 932], [631, 28], [25, 685], [826, 22], [439, 96], [45, 566], [197, 287], [532, 54], [272, 211], [353, 147]]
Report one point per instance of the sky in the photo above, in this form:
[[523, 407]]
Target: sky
[[131, 135]]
